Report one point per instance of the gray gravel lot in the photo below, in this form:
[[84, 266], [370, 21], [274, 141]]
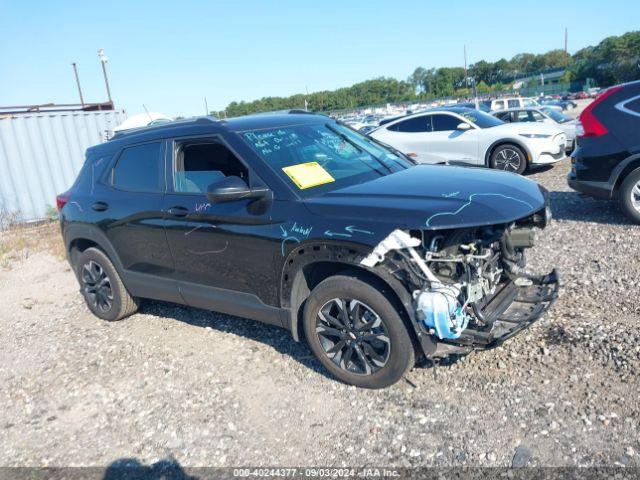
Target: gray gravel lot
[[208, 389]]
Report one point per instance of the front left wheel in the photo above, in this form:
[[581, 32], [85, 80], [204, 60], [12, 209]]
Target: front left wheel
[[357, 333]]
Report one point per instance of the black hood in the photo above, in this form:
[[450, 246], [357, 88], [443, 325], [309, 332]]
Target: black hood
[[436, 197]]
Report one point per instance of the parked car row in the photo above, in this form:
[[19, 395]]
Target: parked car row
[[464, 136]]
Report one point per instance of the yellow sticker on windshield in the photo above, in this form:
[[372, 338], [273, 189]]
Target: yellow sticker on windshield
[[307, 175]]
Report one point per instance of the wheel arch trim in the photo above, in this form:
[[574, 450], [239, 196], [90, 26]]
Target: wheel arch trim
[[73, 233], [624, 168]]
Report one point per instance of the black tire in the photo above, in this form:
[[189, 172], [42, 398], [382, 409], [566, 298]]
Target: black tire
[[107, 299], [386, 347], [629, 196], [509, 158]]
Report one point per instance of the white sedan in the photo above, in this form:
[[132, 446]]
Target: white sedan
[[471, 137]]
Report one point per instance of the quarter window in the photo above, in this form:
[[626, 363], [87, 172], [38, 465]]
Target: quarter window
[[139, 169]]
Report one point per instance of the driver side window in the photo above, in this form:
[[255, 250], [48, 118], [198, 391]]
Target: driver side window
[[200, 163]]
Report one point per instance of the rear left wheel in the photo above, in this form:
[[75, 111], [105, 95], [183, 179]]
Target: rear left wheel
[[357, 333], [101, 286], [629, 195]]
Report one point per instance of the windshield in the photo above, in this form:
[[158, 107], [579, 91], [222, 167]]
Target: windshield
[[556, 115], [315, 158], [481, 119]]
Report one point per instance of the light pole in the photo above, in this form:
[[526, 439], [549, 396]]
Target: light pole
[[103, 62]]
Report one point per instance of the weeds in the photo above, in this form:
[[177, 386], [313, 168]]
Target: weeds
[[19, 241]]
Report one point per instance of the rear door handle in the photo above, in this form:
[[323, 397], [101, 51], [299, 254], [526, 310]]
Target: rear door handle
[[100, 206], [178, 211]]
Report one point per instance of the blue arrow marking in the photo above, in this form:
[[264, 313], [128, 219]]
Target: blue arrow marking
[[352, 229], [329, 233]]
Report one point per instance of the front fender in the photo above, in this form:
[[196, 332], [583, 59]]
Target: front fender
[[294, 289]]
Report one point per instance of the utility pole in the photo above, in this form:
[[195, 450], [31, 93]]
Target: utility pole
[[465, 67], [306, 104], [75, 71], [206, 107], [565, 40], [103, 62]]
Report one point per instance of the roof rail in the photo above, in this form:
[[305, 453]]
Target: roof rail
[[164, 125]]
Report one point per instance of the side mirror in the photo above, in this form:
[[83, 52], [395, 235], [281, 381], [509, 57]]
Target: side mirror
[[233, 188], [463, 126]]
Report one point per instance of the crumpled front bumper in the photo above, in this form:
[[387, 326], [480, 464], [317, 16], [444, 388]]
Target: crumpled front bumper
[[511, 310]]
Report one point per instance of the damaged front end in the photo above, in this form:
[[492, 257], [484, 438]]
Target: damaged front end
[[469, 286]]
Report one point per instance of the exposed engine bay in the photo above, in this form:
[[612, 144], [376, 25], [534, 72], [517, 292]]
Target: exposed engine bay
[[469, 286]]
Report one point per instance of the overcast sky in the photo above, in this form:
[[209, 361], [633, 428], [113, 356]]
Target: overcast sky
[[171, 55]]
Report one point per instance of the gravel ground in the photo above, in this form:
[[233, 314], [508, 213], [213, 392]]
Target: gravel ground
[[211, 390]]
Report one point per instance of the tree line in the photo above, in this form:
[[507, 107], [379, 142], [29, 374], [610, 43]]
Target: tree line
[[614, 60]]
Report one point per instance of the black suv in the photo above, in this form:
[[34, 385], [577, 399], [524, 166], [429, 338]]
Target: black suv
[[298, 221], [606, 163]]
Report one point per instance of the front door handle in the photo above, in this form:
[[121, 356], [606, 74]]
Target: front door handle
[[178, 211], [99, 206]]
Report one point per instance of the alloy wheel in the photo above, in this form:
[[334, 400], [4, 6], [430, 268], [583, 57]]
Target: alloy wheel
[[353, 336], [508, 160], [635, 197], [96, 286]]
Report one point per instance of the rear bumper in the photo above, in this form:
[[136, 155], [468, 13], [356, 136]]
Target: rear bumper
[[595, 189], [512, 310]]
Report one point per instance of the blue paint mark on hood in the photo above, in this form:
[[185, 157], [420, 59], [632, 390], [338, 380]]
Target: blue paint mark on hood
[[435, 197]]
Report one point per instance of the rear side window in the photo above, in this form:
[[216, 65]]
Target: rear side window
[[513, 103], [413, 125], [139, 169]]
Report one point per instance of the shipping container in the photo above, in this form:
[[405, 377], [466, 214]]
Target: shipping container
[[41, 153]]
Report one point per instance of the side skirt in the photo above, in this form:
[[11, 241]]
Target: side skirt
[[230, 302]]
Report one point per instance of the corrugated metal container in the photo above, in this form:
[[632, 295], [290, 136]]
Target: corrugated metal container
[[42, 152]]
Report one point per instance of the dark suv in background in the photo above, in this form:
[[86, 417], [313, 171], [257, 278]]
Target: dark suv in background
[[298, 221], [606, 163]]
